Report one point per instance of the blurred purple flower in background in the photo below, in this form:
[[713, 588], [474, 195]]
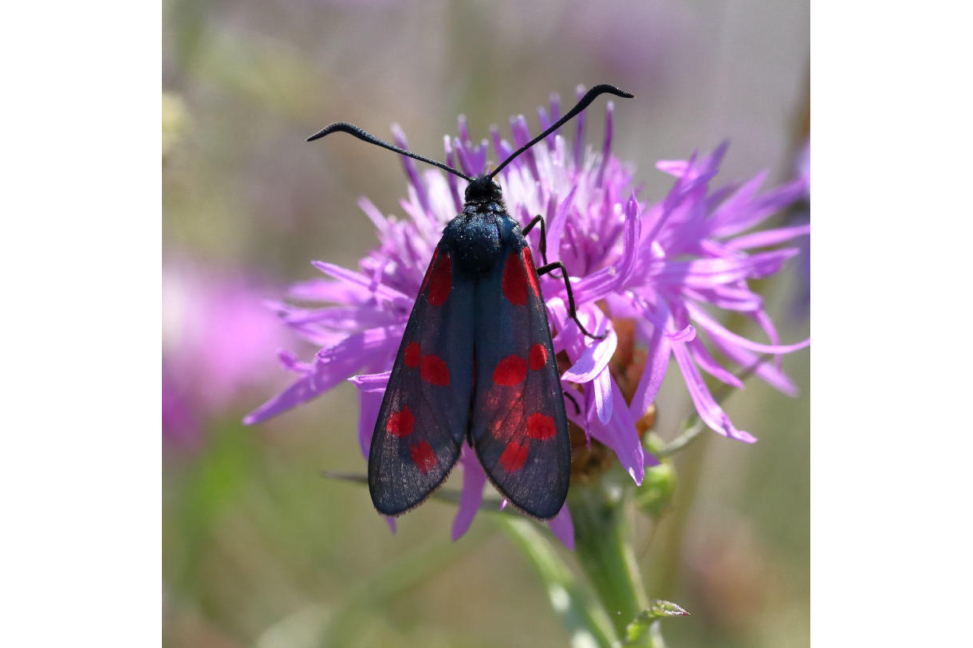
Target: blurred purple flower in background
[[661, 265], [216, 331], [642, 42], [804, 167], [800, 213]]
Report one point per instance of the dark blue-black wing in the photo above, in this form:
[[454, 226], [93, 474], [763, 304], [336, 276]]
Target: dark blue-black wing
[[518, 424], [425, 412]]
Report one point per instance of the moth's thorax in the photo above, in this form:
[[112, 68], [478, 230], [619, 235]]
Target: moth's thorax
[[477, 236], [473, 209]]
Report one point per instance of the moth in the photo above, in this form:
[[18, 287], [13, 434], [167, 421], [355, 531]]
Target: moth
[[476, 364]]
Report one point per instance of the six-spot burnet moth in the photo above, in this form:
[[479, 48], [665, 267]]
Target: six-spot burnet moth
[[476, 363]]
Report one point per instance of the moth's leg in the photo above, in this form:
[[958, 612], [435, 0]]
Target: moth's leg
[[572, 309], [577, 408], [527, 228]]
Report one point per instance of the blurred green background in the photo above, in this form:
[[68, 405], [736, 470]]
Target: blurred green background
[[258, 549]]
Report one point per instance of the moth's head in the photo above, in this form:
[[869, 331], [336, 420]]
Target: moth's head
[[483, 189]]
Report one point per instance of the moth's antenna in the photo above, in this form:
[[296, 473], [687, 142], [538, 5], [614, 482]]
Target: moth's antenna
[[581, 105], [351, 129]]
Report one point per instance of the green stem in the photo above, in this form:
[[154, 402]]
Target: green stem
[[604, 553], [582, 616]]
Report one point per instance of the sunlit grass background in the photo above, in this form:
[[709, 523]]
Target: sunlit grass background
[[258, 548]]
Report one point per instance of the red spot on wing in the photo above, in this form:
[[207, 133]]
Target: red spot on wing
[[433, 370], [423, 457], [441, 281], [531, 274], [412, 355], [538, 357], [540, 427], [515, 281], [514, 457], [510, 371], [401, 424]]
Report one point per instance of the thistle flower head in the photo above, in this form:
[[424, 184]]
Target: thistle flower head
[[664, 269]]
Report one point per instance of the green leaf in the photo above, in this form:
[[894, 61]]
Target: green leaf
[[643, 630], [660, 609]]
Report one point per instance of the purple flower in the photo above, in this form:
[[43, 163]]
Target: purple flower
[[801, 213], [684, 256], [215, 335], [665, 265], [804, 167]]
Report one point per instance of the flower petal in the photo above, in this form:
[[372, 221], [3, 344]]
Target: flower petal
[[718, 330], [472, 494], [620, 435], [326, 290], [707, 273], [659, 346], [410, 168], [766, 238], [595, 357], [556, 227], [563, 528], [373, 213], [290, 362], [370, 403], [450, 178], [379, 289], [706, 362], [729, 221], [766, 371], [606, 145], [599, 397], [708, 409], [371, 382], [685, 334], [299, 392]]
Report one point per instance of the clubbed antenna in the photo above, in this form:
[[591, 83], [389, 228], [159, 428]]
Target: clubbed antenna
[[581, 105], [351, 129], [589, 96]]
